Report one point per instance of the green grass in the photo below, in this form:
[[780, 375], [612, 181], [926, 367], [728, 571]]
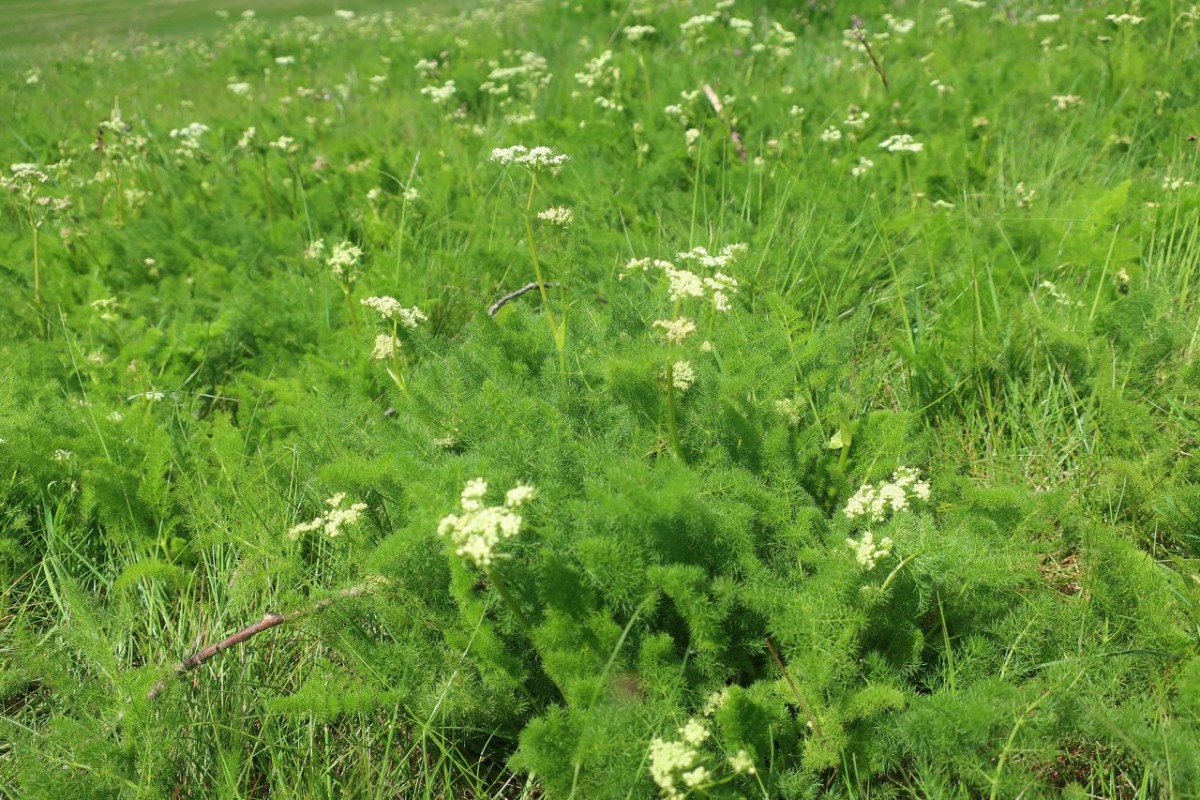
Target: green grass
[[30, 28], [195, 430]]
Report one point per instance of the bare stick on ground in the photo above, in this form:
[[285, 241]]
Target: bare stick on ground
[[250, 631], [495, 307], [734, 136]]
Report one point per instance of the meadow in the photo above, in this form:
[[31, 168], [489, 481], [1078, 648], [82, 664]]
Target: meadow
[[601, 399]]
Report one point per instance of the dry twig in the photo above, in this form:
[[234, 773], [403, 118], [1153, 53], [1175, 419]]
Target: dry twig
[[734, 136], [250, 631], [495, 307]]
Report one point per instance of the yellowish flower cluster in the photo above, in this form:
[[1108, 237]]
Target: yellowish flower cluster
[[678, 768], [479, 528], [331, 521], [390, 308], [867, 552], [875, 502]]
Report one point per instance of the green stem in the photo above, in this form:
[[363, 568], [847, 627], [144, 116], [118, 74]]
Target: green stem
[[509, 603], [37, 270], [396, 372], [400, 239], [353, 310], [672, 425], [120, 196], [808, 712], [559, 335], [267, 198]]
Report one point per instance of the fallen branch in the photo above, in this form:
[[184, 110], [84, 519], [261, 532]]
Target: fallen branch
[[734, 136], [495, 307], [266, 623]]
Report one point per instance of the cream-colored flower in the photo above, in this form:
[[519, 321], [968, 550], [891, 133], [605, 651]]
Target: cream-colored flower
[[676, 330], [867, 552], [682, 375], [385, 347], [558, 215], [742, 763], [479, 528], [331, 522]]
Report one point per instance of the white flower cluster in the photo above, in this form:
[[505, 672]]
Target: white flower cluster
[[532, 71], [558, 215], [677, 762], [678, 768], [343, 261], [875, 502], [1025, 195], [901, 143], [863, 166], [1060, 297], [440, 95], [790, 408], [284, 144], [831, 134], [676, 330], [856, 117], [635, 33], [900, 26], [28, 172], [779, 41], [867, 553], [385, 347], [331, 521], [189, 139], [719, 261], [478, 530], [533, 157], [390, 308], [193, 131], [683, 375], [683, 283], [596, 70], [1125, 19], [1064, 101]]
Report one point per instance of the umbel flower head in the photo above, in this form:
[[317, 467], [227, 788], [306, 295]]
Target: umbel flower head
[[479, 528], [331, 521], [390, 308], [536, 158], [875, 502], [867, 552], [343, 262], [676, 765]]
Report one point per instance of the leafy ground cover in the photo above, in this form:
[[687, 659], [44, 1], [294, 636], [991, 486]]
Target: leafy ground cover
[[614, 399]]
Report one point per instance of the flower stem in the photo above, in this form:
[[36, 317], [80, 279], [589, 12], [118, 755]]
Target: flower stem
[[396, 371], [509, 602], [808, 712], [353, 310], [557, 333], [267, 198], [672, 424], [37, 272]]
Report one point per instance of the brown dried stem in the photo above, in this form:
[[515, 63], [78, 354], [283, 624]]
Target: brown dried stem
[[734, 136], [495, 307], [245, 634]]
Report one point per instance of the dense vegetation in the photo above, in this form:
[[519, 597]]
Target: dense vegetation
[[614, 399]]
